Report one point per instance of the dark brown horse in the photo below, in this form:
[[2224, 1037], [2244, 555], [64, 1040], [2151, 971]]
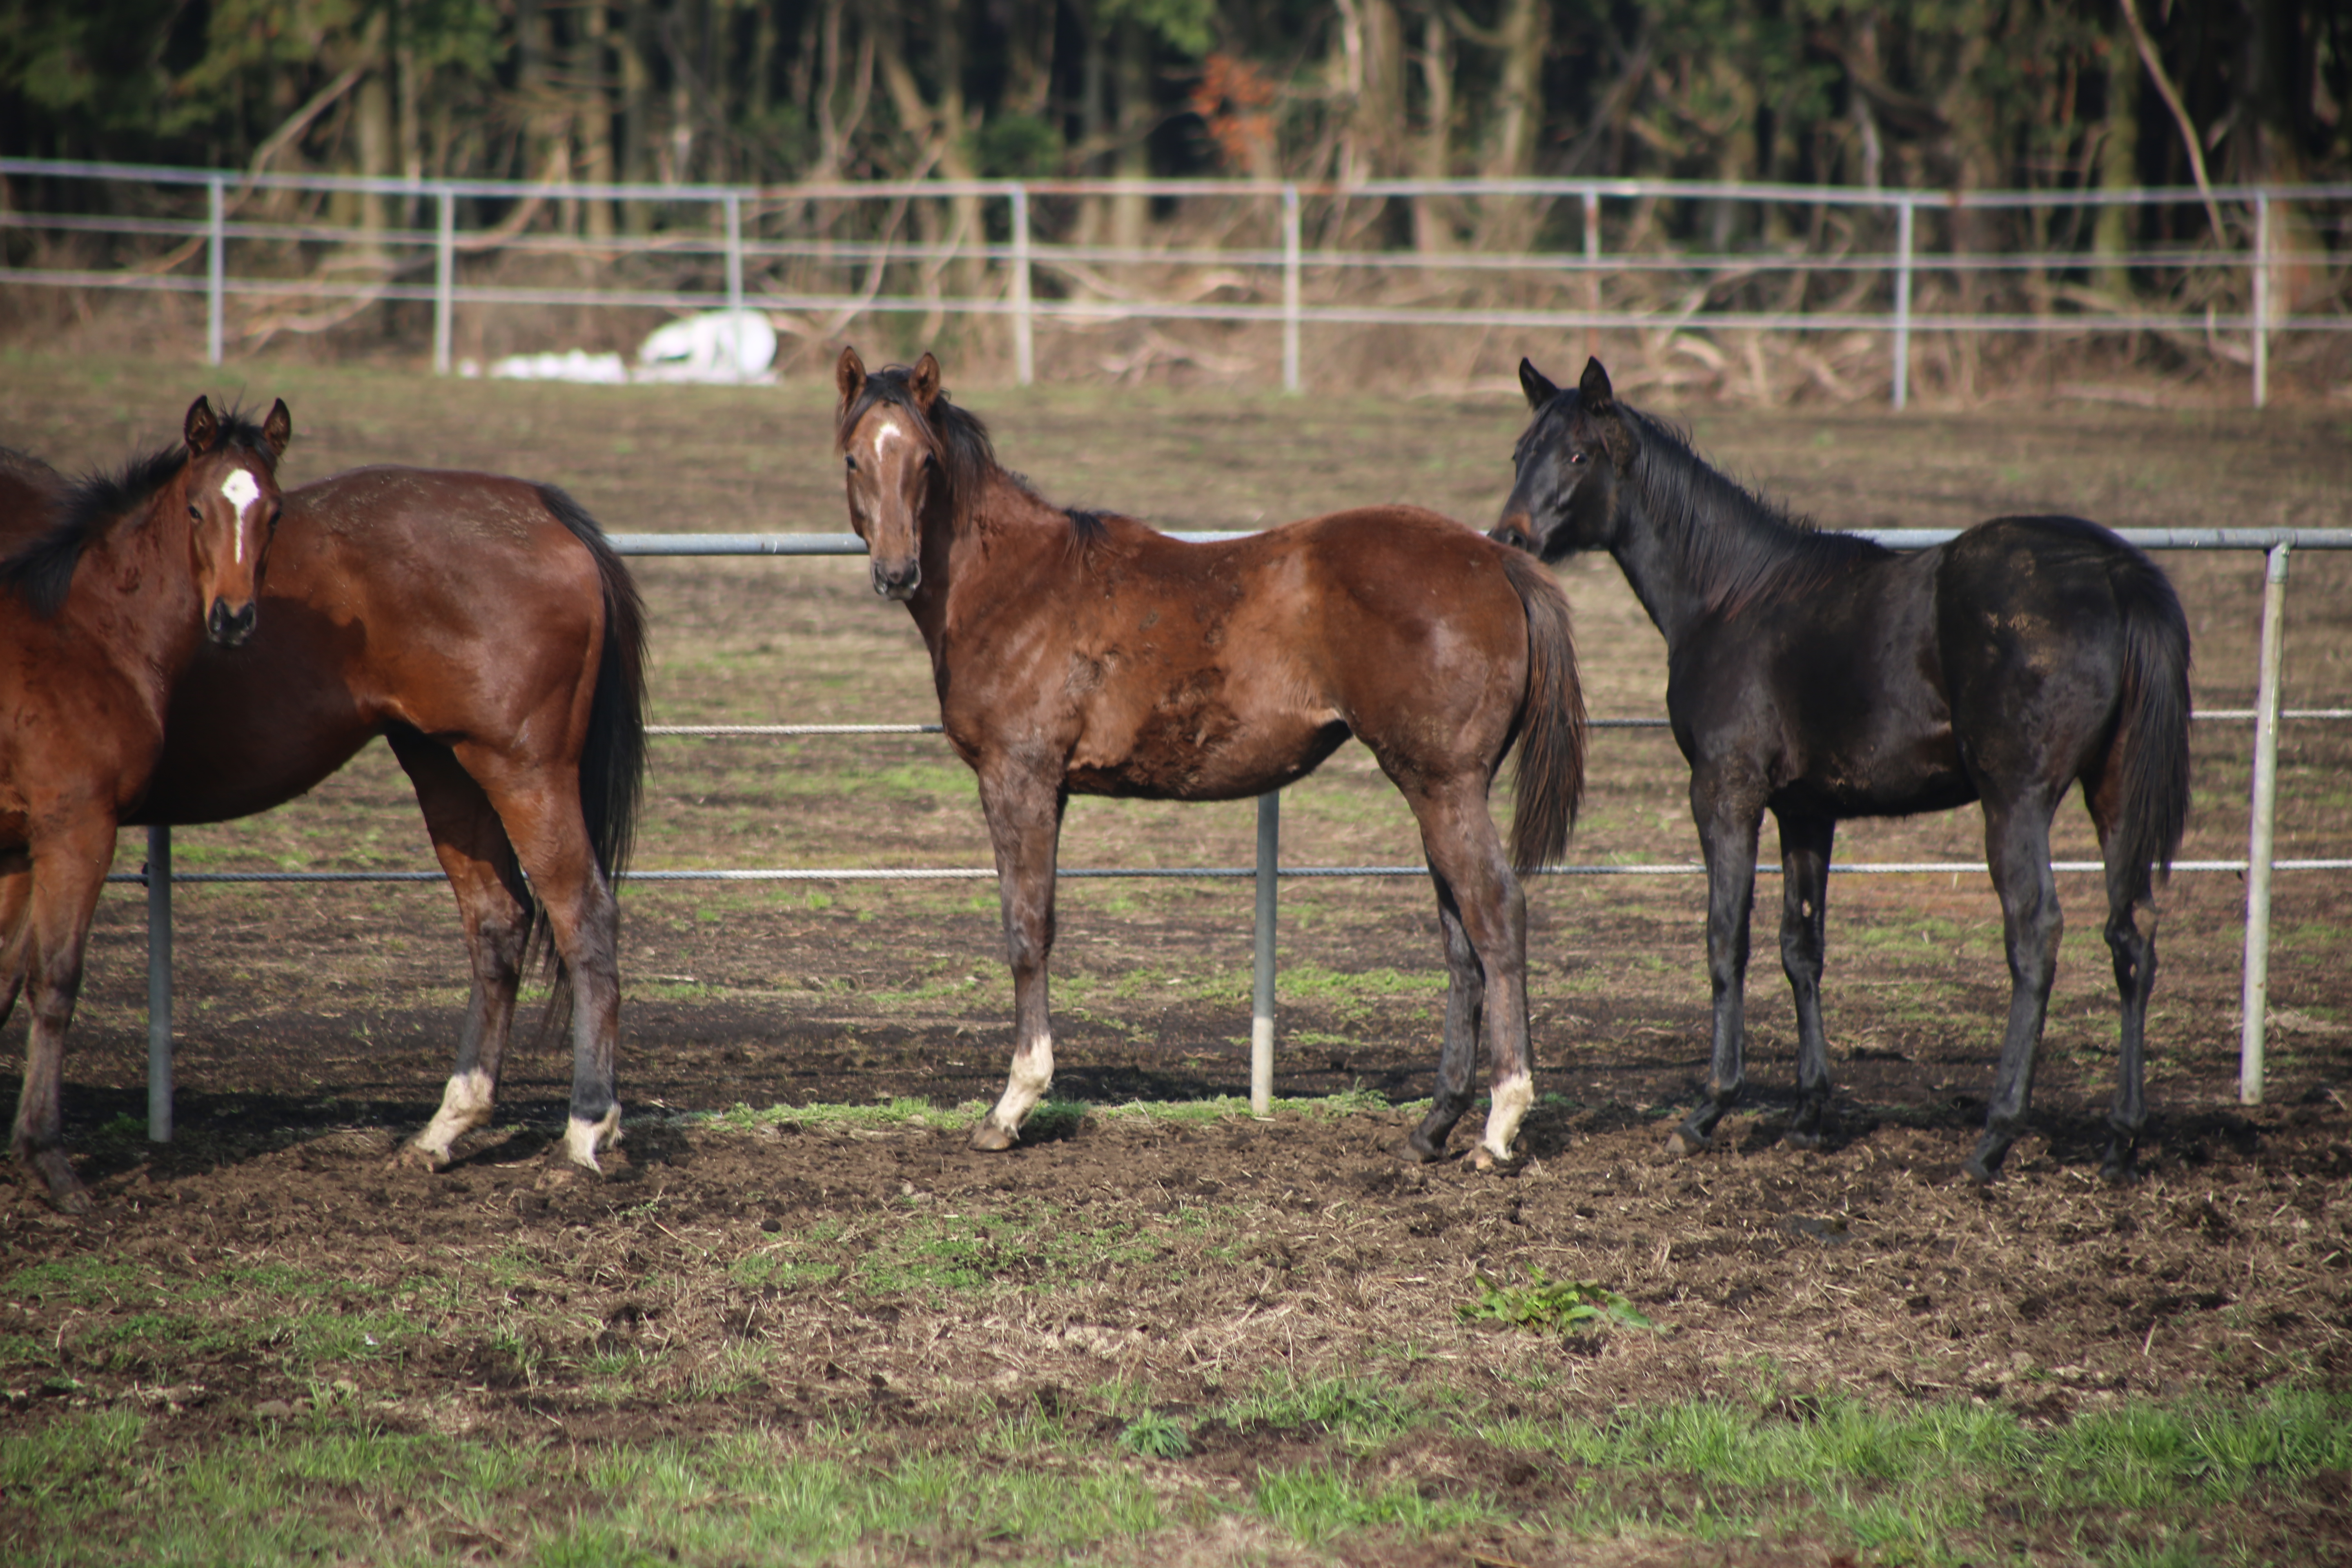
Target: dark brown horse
[[1820, 676], [1075, 651], [484, 627], [123, 577]]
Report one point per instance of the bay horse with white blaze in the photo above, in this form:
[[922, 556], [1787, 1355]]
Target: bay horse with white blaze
[[484, 627], [1820, 676], [123, 577], [1082, 652]]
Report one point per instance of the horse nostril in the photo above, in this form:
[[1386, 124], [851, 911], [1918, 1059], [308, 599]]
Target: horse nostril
[[230, 627]]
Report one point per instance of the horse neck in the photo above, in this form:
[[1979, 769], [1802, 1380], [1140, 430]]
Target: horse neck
[[1681, 536], [993, 568], [138, 580]]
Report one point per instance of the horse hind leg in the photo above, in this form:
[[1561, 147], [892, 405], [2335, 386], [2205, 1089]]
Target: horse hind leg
[[2017, 848], [494, 909], [1465, 999], [2135, 960], [1805, 846], [1467, 863]]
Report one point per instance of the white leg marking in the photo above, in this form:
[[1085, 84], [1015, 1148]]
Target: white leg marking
[[1508, 1106], [1031, 1075], [466, 1104], [584, 1140]]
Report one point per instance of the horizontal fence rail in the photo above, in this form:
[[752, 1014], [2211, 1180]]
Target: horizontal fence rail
[[158, 876], [833, 252]]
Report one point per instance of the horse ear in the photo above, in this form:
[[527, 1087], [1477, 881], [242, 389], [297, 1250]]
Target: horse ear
[[203, 427], [849, 375], [277, 429], [1594, 388], [1532, 381], [925, 383]]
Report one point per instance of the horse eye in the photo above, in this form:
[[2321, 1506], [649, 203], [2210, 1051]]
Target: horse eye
[[852, 460], [195, 511], [1576, 458]]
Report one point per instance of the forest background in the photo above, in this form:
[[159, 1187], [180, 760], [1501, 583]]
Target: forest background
[[1940, 94]]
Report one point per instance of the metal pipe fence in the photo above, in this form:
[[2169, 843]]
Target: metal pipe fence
[[825, 252], [2277, 544]]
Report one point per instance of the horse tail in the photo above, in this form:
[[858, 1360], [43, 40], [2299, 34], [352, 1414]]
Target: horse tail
[[612, 760], [2152, 731], [1550, 779]]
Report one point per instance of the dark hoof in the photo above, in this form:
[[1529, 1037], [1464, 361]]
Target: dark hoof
[[1420, 1151], [53, 1173], [1807, 1139], [1981, 1171], [1686, 1142], [2121, 1166]]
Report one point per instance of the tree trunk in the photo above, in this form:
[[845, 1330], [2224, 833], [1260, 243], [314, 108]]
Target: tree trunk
[[593, 117], [2111, 235], [1508, 224], [1432, 217]]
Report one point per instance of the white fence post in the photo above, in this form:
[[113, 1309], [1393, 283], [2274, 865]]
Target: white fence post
[[1901, 304], [1290, 287], [445, 279], [159, 984], [2262, 829], [1025, 342], [2261, 298], [215, 269], [1269, 851]]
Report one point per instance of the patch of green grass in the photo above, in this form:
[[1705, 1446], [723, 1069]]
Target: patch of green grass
[[1544, 1305], [1319, 1505]]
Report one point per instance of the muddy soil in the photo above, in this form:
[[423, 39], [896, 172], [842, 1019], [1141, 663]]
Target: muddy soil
[[315, 1024]]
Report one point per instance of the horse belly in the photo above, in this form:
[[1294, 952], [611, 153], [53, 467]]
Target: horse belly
[[1199, 748]]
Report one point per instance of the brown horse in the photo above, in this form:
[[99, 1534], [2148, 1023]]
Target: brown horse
[[124, 577], [1076, 651], [484, 628]]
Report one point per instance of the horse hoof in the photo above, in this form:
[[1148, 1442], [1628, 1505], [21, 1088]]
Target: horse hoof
[[416, 1157], [1977, 1170], [54, 1172], [1809, 1140], [988, 1137], [1686, 1142], [1419, 1151], [1484, 1159]]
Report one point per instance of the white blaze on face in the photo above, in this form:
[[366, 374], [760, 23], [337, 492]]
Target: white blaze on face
[[241, 491], [884, 434]]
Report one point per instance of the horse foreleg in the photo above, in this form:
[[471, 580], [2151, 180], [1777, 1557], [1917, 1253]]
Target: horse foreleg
[[1727, 830], [2017, 848], [65, 876], [1805, 843], [493, 907], [2135, 956], [1025, 826], [1489, 916]]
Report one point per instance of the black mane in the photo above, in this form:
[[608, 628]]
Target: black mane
[[1736, 547], [42, 573]]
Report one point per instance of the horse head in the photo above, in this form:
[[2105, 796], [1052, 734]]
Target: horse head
[[230, 485], [893, 462], [1569, 463]]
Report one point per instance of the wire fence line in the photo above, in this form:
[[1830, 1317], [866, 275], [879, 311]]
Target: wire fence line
[[158, 876], [822, 256]]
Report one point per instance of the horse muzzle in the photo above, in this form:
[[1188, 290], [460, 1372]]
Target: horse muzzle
[[899, 581], [1515, 530], [230, 627]]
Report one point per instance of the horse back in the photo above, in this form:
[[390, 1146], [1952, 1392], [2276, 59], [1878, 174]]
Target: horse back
[[450, 602]]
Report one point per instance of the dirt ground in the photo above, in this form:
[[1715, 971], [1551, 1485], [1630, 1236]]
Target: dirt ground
[[316, 1024]]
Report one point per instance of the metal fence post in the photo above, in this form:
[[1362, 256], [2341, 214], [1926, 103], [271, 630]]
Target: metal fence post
[[445, 280], [159, 984], [1269, 848], [215, 269], [2261, 299], [1290, 287], [2262, 829], [1025, 342], [1901, 304]]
